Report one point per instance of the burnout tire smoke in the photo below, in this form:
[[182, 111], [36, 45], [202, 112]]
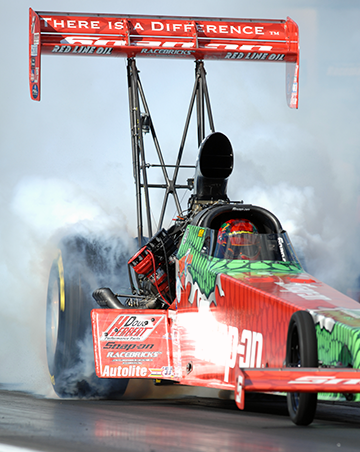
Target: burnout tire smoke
[[301, 351], [74, 274]]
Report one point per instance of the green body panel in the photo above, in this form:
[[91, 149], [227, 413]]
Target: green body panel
[[205, 268], [338, 342]]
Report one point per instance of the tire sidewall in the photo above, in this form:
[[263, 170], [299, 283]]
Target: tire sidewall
[[70, 353], [301, 323], [63, 350]]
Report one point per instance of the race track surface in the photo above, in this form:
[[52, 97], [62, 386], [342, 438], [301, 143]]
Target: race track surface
[[179, 424]]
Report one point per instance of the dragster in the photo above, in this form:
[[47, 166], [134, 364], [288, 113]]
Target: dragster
[[219, 299]]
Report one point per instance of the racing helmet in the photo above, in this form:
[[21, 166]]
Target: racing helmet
[[238, 239]]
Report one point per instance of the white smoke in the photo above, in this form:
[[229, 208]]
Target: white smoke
[[66, 161], [42, 211], [47, 204], [313, 238]]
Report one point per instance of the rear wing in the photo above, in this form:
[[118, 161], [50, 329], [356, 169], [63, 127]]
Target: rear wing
[[133, 36]]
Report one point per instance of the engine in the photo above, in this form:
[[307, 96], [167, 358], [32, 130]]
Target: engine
[[154, 267]]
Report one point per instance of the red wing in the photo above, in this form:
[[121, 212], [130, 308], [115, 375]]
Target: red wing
[[296, 380], [176, 37]]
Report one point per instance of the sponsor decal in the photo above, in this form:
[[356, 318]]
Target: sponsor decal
[[130, 328], [117, 346], [302, 290], [244, 30], [133, 354], [34, 75], [33, 25], [34, 50], [250, 349], [167, 52], [127, 343], [78, 24], [247, 352], [163, 372], [136, 371], [321, 380], [83, 50], [90, 45], [281, 248], [35, 91], [86, 41], [255, 55], [207, 28], [124, 371]]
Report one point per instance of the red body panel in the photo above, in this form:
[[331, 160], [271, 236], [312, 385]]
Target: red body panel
[[246, 324], [207, 343], [132, 345], [246, 328], [190, 347]]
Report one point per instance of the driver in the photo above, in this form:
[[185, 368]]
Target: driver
[[238, 239]]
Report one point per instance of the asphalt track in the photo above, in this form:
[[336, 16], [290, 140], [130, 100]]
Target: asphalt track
[[177, 424]]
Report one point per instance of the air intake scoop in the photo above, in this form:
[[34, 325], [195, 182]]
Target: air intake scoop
[[213, 167]]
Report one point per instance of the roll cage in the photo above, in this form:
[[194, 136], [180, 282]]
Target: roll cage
[[274, 242], [214, 217]]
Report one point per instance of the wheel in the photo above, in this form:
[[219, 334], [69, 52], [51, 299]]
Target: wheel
[[301, 351], [74, 274]]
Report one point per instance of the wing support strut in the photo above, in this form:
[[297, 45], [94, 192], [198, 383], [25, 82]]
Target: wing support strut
[[140, 123]]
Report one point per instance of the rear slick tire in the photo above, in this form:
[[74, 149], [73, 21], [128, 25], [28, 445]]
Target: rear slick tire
[[69, 345], [301, 351]]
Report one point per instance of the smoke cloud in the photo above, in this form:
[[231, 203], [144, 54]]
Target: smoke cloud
[[66, 161]]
